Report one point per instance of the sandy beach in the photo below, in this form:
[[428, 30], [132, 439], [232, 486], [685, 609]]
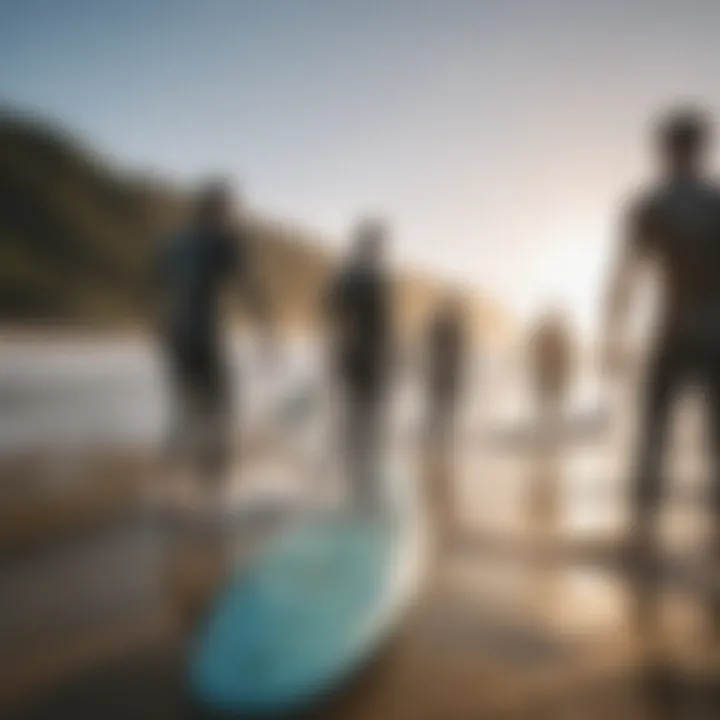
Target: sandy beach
[[522, 616]]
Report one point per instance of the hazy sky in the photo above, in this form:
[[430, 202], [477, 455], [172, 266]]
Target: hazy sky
[[498, 137]]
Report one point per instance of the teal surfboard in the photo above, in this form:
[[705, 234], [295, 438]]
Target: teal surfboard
[[308, 612]]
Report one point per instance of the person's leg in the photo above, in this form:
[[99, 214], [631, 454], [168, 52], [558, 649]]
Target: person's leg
[[351, 429], [713, 407], [659, 394], [217, 425], [184, 446], [434, 421], [446, 475], [365, 433], [378, 426], [553, 420], [181, 443], [366, 439], [180, 401], [204, 401], [446, 421], [661, 386], [446, 409], [547, 412]]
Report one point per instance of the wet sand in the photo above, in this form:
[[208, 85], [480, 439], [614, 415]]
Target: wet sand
[[505, 626], [527, 612]]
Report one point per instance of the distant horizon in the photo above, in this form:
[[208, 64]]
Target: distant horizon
[[498, 139]]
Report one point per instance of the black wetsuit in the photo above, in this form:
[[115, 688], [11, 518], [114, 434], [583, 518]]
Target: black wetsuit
[[359, 308], [359, 305], [677, 226], [446, 350], [193, 269]]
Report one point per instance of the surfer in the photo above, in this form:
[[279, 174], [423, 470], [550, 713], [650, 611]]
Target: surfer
[[551, 367], [446, 354], [674, 226], [360, 328], [551, 356], [193, 271]]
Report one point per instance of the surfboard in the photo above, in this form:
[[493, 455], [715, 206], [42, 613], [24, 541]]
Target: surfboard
[[308, 612]]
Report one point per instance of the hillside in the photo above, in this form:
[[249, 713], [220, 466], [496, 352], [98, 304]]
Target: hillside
[[77, 236]]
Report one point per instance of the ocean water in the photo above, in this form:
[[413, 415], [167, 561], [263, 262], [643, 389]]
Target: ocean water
[[96, 395]]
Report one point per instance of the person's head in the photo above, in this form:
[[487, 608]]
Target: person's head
[[369, 239], [683, 137], [213, 204]]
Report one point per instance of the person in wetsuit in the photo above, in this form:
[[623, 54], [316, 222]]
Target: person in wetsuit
[[551, 358], [194, 269], [359, 314], [446, 350], [675, 227]]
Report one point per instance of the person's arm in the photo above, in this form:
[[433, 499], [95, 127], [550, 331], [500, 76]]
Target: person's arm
[[624, 278]]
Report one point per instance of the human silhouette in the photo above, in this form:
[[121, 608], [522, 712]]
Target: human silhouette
[[359, 314], [551, 366], [194, 269], [446, 349], [673, 226]]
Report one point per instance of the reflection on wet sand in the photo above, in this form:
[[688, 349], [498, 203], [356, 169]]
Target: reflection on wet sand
[[528, 612]]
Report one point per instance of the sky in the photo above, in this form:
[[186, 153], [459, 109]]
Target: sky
[[498, 138]]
